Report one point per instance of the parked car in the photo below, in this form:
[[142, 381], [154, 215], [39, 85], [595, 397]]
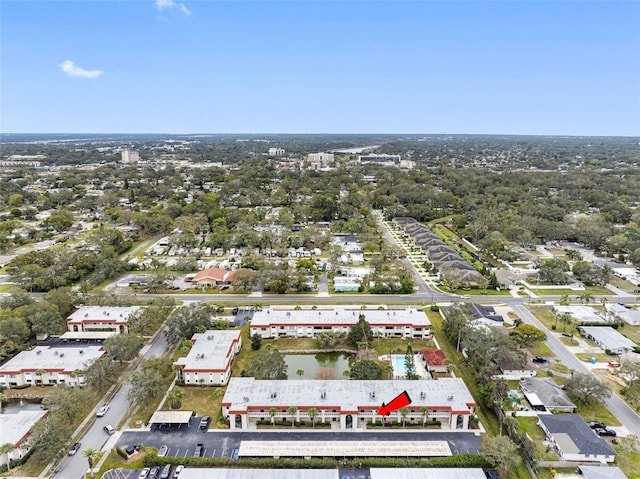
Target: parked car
[[109, 429], [204, 422], [153, 473], [199, 450], [178, 470], [103, 410], [166, 472], [466, 296], [144, 473], [597, 425], [75, 448], [539, 359], [606, 432], [567, 335], [163, 451]]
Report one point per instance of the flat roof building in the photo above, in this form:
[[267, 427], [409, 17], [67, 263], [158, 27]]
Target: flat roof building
[[350, 403], [399, 323], [209, 360], [49, 365], [98, 322]]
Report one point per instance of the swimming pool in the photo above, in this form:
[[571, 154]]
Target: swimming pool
[[399, 366]]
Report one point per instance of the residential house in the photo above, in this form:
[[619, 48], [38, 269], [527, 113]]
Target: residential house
[[434, 360], [574, 439], [44, 365], [629, 316], [348, 403], [608, 339], [215, 277], [545, 395], [209, 360], [602, 472]]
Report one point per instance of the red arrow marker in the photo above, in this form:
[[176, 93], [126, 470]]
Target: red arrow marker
[[401, 400]]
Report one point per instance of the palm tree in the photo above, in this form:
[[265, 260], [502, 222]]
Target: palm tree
[[91, 454], [312, 413], [2, 398], [292, 410], [425, 414], [6, 448], [40, 372], [564, 300], [404, 412], [175, 398], [272, 415], [451, 367], [300, 372]]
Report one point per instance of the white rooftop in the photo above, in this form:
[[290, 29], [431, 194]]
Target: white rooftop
[[609, 337], [344, 448], [103, 313], [583, 313], [340, 317], [427, 473], [211, 350], [14, 426], [210, 473], [62, 359], [242, 393]]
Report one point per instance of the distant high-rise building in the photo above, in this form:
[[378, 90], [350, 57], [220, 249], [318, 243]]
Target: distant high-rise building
[[319, 160], [130, 156], [276, 151]]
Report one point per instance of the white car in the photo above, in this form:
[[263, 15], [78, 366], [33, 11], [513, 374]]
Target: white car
[[144, 473], [103, 410], [178, 470], [163, 451]]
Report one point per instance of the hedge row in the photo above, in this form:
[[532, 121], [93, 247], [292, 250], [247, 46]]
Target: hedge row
[[459, 460]]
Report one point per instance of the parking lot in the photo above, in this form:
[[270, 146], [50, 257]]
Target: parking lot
[[182, 442]]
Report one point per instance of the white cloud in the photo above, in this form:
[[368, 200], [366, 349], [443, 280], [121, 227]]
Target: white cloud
[[170, 4], [74, 70]]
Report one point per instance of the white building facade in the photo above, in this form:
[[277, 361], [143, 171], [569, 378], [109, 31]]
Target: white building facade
[[209, 360]]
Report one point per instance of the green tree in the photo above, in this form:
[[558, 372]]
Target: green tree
[[175, 398], [91, 454], [300, 372], [6, 448], [292, 410], [587, 389], [365, 369], [122, 347], [410, 364], [266, 364], [527, 334], [404, 412], [69, 402], [360, 332], [501, 452], [312, 413], [256, 342], [185, 321]]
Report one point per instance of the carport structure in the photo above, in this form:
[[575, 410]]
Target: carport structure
[[344, 449], [171, 418]]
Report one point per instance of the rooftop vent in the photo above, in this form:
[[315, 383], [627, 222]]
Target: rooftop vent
[[61, 354], [82, 351], [450, 398], [86, 315], [55, 353], [38, 351]]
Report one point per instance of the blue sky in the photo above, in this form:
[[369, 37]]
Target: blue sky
[[164, 66]]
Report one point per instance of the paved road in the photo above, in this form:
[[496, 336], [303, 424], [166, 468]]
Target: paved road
[[75, 466], [616, 405], [222, 443]]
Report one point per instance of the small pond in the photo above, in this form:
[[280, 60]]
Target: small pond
[[317, 366]]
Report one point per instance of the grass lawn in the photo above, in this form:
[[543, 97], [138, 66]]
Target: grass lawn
[[573, 295], [539, 348], [114, 461], [282, 344], [622, 283], [535, 432], [597, 412], [600, 357], [629, 456], [205, 401], [544, 316], [559, 368], [631, 332]]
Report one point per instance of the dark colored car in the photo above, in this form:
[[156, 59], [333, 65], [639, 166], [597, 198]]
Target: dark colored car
[[606, 432], [75, 448], [597, 425], [539, 359], [199, 450]]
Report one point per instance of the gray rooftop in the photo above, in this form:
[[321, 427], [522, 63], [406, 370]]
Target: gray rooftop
[[339, 317], [209, 473], [574, 435], [243, 393], [551, 395], [14, 426], [211, 350], [64, 359], [344, 448], [103, 313], [602, 472], [609, 337], [427, 473]]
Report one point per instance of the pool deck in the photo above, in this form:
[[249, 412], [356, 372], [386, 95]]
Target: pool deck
[[399, 373]]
